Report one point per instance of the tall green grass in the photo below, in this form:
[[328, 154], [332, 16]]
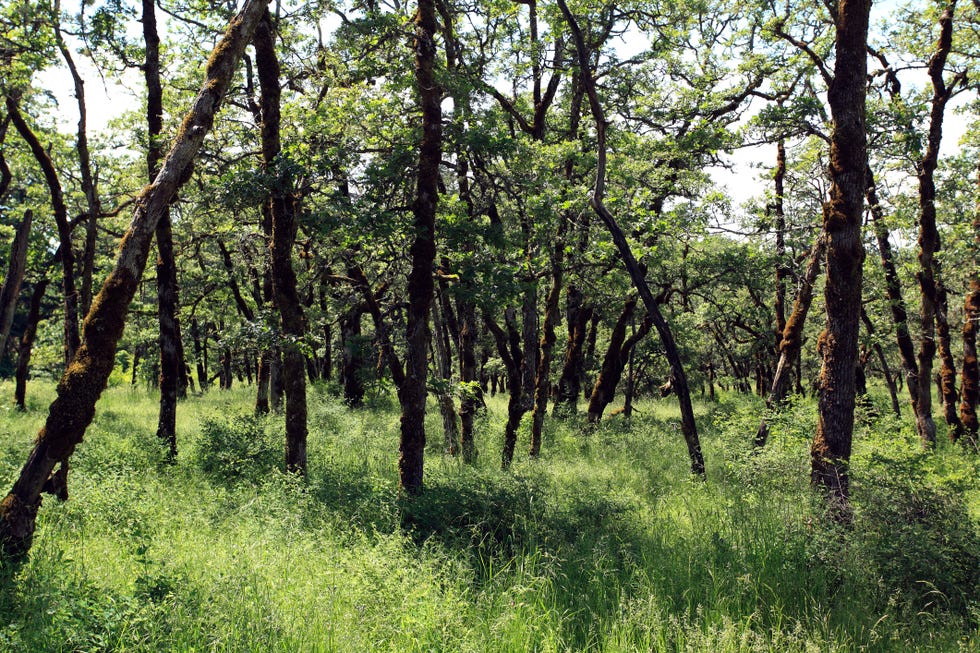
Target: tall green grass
[[603, 544]]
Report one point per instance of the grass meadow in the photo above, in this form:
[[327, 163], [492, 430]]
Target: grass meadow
[[603, 544]]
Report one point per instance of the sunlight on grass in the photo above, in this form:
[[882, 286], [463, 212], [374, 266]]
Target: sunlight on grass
[[605, 543]]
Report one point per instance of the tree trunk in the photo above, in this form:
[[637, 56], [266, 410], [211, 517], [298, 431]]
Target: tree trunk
[[570, 382], [971, 319], [468, 375], [791, 340], [27, 344], [831, 450], [411, 395], [509, 348], [930, 274], [173, 382], [542, 384], [93, 207], [678, 377], [450, 427], [883, 361], [64, 228], [614, 362], [896, 302], [782, 271], [83, 381], [283, 208], [16, 266], [200, 356]]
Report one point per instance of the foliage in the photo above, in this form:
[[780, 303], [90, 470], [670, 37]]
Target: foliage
[[236, 447]]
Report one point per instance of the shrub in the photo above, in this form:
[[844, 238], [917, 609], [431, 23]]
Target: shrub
[[236, 447]]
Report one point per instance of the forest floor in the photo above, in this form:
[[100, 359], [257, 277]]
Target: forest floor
[[605, 543]]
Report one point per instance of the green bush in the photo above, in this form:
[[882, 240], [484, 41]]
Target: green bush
[[237, 447]]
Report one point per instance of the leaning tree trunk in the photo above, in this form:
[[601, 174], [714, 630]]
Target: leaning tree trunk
[[15, 276], [831, 450], [84, 380], [284, 225], [411, 395], [678, 377], [791, 339]]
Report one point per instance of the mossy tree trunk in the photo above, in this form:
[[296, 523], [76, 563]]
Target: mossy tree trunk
[[932, 291], [85, 379], [971, 319], [831, 449], [791, 339], [896, 301]]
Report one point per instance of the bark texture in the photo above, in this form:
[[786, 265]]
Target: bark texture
[[896, 301], [933, 293], [971, 319], [84, 380], [831, 449]]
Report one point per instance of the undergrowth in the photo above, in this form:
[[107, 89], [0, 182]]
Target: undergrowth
[[605, 543]]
